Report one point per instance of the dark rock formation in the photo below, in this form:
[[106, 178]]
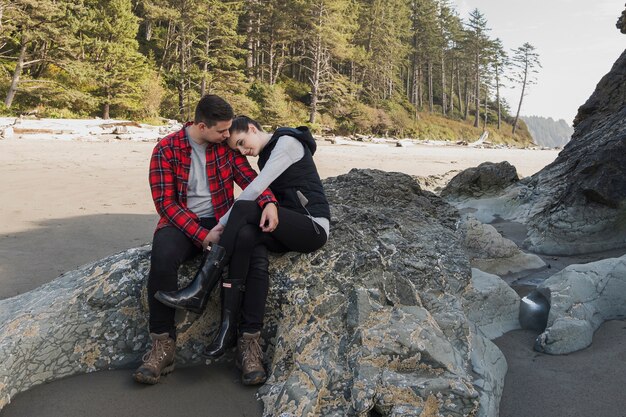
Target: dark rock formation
[[486, 179], [577, 204], [621, 22], [580, 203], [375, 320]]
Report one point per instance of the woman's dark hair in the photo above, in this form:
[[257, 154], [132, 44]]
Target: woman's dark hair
[[241, 123], [212, 109]]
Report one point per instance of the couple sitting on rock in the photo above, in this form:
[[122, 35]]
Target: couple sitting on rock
[[191, 177]]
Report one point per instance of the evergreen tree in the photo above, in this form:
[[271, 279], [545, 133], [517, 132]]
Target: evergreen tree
[[359, 65], [383, 30], [272, 30], [526, 61], [216, 44], [33, 32], [451, 32], [112, 62], [328, 29], [454, 29], [499, 62], [427, 43], [477, 43]]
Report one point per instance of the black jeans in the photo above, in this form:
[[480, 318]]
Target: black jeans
[[170, 248], [241, 238]]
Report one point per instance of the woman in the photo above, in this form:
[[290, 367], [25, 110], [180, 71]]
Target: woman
[[287, 167]]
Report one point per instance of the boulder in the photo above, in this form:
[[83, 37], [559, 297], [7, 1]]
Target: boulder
[[492, 253], [582, 297], [491, 304], [486, 179], [374, 320], [489, 367], [89, 319], [381, 327]]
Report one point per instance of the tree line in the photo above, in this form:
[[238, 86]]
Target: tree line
[[369, 66]]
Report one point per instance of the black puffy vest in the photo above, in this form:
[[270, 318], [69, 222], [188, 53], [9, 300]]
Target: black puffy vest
[[301, 176]]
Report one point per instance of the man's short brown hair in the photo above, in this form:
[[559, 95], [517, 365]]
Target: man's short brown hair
[[212, 109]]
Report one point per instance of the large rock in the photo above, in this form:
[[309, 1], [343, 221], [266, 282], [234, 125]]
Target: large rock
[[581, 197], [492, 308], [89, 319], [491, 304], [621, 22], [488, 178], [381, 324], [582, 297], [492, 253], [372, 321]]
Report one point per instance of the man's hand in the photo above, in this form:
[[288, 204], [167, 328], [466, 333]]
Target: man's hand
[[269, 218], [214, 236]]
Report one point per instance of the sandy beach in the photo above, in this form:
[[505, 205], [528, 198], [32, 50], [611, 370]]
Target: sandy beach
[[76, 202], [67, 203]]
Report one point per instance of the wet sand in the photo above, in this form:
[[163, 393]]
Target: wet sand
[[587, 383], [68, 203]]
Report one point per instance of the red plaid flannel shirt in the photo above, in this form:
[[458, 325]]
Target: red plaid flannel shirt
[[169, 175]]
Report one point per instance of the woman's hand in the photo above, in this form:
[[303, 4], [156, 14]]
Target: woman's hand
[[214, 236], [269, 218]]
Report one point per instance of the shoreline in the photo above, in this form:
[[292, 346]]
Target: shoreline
[[96, 129], [75, 202]]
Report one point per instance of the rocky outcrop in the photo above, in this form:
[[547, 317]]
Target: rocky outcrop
[[491, 304], [582, 297], [89, 319], [492, 253], [381, 326], [375, 320], [621, 22], [577, 204], [484, 180]]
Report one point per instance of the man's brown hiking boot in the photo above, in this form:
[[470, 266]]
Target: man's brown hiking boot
[[158, 361], [250, 359]]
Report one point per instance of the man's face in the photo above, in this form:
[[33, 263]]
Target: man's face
[[217, 133]]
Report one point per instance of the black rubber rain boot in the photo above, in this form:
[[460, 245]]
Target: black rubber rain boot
[[232, 294], [195, 296]]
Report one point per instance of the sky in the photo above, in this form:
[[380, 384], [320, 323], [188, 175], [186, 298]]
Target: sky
[[577, 42]]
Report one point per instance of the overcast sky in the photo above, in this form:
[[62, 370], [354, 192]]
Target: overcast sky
[[577, 42]]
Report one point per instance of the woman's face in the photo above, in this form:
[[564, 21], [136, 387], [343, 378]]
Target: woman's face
[[247, 143]]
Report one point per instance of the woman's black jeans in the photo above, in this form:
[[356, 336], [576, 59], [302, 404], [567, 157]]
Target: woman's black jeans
[[241, 239]]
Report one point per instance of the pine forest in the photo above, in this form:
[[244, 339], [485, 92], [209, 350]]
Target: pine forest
[[407, 68]]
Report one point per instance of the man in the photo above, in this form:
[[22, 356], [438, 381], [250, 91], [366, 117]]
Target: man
[[191, 178]]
